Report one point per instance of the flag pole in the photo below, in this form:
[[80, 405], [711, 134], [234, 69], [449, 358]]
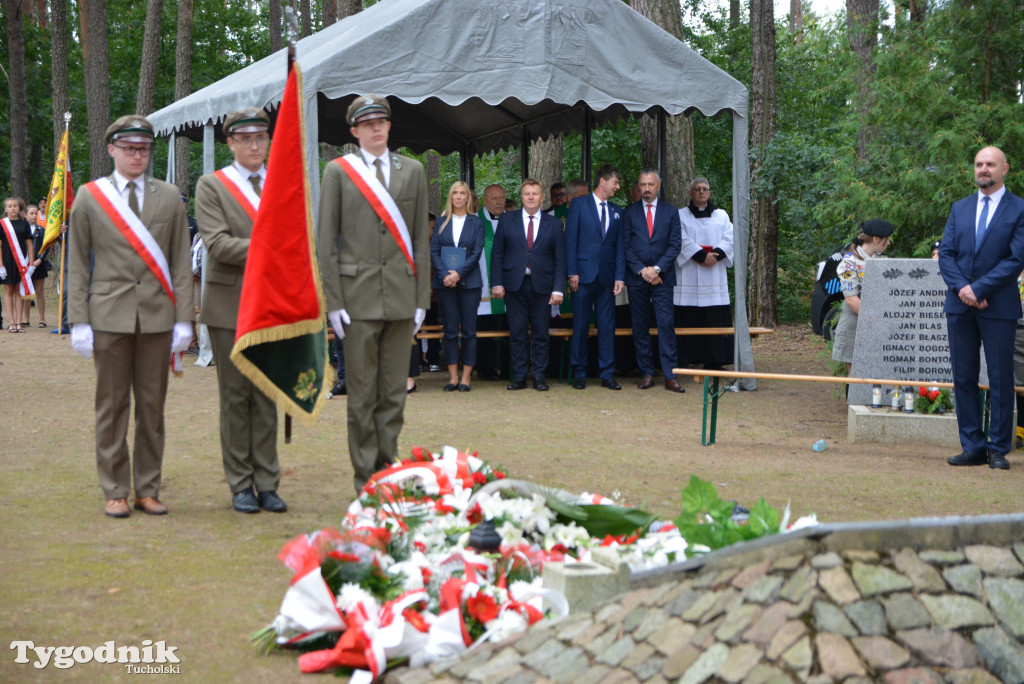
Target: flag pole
[[288, 72], [63, 222]]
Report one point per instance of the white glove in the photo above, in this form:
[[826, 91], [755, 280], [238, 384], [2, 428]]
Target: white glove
[[337, 319], [182, 337], [31, 270], [3, 273], [81, 339], [417, 319]]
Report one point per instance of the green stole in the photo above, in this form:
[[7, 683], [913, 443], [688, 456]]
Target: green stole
[[488, 305]]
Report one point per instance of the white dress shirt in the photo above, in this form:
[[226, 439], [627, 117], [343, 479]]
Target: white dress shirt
[[120, 183], [993, 202], [385, 165]]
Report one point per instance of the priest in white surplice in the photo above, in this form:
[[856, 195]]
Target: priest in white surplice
[[701, 294]]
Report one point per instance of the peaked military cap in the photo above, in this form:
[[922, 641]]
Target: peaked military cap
[[368, 107], [248, 120], [130, 128]]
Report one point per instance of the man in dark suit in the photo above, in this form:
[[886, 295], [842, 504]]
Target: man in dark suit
[[527, 271], [373, 244], [980, 257], [596, 264], [653, 238], [227, 202]]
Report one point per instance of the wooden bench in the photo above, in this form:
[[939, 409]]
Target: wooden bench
[[712, 392]]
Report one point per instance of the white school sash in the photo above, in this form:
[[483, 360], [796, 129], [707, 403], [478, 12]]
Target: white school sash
[[381, 201], [26, 289], [115, 206], [241, 189]]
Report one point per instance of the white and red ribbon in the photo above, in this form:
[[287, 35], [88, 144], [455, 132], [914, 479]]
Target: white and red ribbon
[[134, 231], [241, 189], [383, 204], [25, 289]]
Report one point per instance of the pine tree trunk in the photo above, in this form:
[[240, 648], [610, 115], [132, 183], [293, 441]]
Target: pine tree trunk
[[39, 13], [436, 195], [93, 15], [862, 23], [546, 164], [796, 20], [764, 219], [275, 26], [346, 8], [182, 88], [306, 15], [59, 67], [679, 167], [150, 56], [18, 99]]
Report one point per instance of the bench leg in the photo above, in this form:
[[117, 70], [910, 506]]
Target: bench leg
[[710, 388]]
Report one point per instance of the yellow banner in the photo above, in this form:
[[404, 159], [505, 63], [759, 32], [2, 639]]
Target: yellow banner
[[58, 202]]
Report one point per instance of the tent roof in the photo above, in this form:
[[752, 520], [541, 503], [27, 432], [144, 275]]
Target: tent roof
[[480, 73]]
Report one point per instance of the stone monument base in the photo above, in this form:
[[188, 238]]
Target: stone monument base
[[866, 424]]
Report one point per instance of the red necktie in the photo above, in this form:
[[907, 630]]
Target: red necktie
[[529, 234], [650, 222]]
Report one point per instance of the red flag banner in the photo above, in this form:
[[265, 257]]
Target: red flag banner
[[281, 338]]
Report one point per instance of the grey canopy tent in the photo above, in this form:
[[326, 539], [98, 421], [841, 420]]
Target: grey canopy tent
[[474, 77]]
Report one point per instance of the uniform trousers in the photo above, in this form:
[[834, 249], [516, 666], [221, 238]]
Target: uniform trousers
[[248, 423], [377, 366], [129, 365]]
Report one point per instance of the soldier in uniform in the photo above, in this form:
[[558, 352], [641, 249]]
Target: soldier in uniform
[[226, 204], [373, 246], [131, 310]]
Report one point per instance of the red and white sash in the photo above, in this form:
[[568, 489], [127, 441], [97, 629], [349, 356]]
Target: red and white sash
[[241, 189], [382, 202], [115, 206], [25, 289]]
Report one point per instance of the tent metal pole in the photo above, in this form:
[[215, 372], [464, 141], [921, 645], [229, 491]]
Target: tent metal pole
[[524, 153], [662, 148], [208, 157], [585, 153]]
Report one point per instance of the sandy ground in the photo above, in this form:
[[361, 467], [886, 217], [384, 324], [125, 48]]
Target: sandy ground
[[204, 577]]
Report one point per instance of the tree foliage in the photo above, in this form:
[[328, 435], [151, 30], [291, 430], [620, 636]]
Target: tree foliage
[[947, 80]]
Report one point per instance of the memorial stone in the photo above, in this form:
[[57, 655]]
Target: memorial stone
[[901, 331]]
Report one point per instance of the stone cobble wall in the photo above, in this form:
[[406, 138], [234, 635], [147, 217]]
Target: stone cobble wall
[[898, 616]]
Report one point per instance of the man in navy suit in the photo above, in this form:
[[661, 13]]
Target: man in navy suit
[[653, 238], [596, 264], [527, 271], [980, 257]]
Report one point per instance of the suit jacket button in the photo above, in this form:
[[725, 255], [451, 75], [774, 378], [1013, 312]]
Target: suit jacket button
[[383, 263], [138, 282]]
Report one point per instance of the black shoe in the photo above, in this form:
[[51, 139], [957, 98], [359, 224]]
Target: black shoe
[[611, 384], [338, 389], [970, 458], [998, 461], [270, 501], [450, 387], [579, 383], [410, 390], [540, 385], [245, 501], [516, 384], [464, 387]]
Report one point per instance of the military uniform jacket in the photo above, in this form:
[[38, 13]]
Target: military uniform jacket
[[121, 289], [363, 269], [226, 229]]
